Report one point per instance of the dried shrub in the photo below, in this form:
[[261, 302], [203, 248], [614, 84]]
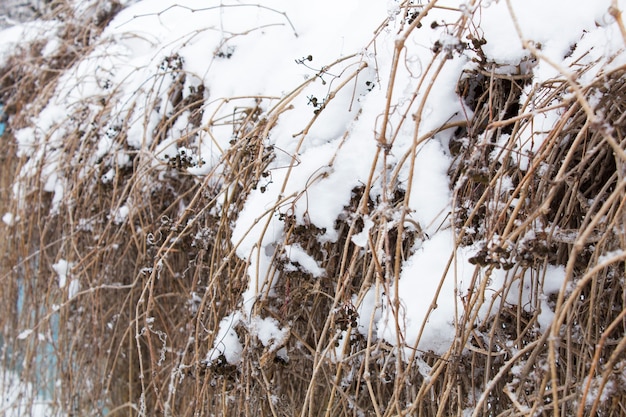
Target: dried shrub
[[157, 281]]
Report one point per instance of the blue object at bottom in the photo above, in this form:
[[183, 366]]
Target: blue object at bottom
[[1, 119]]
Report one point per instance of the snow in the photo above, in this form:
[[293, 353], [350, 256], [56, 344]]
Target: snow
[[296, 254], [368, 312], [427, 296], [227, 342], [313, 174], [361, 239], [8, 219], [24, 334], [15, 403], [62, 268], [558, 27], [269, 332], [430, 193]]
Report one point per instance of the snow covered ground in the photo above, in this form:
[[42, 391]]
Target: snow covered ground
[[333, 133]]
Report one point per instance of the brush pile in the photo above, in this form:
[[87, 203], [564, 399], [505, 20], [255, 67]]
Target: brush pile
[[149, 266]]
